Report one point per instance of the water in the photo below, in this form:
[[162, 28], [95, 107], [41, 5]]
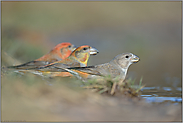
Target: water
[[162, 94]]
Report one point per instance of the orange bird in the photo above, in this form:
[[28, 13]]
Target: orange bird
[[78, 58], [59, 52]]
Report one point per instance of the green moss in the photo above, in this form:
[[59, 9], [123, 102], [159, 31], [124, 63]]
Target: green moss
[[105, 86]]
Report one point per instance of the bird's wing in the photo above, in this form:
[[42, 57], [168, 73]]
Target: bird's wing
[[30, 65], [91, 70], [58, 66]]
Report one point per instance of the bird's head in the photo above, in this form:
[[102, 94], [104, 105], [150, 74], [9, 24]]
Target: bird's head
[[124, 60], [64, 49], [83, 53]]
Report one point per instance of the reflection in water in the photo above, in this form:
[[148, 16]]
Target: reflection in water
[[161, 88], [160, 95], [167, 88], [162, 99]]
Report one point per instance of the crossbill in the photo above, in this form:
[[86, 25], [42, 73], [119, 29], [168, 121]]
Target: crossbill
[[59, 52], [116, 68], [78, 58]]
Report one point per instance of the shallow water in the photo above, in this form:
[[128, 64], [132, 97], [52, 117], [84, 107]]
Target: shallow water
[[162, 94]]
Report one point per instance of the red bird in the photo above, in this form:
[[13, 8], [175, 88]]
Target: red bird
[[59, 52]]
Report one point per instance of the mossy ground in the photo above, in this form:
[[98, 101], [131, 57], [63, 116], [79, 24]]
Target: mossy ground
[[28, 97]]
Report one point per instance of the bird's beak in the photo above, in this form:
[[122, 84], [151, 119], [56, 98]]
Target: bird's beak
[[93, 51], [73, 47], [135, 59]]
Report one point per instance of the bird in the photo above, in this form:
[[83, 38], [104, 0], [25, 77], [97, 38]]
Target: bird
[[78, 58], [117, 69], [59, 52]]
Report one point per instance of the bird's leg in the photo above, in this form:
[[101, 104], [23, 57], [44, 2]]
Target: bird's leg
[[113, 88], [120, 82]]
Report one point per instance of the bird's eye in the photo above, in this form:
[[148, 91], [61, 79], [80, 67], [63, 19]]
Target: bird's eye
[[85, 48], [69, 46], [127, 57]]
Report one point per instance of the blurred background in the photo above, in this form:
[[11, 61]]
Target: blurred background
[[151, 30]]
